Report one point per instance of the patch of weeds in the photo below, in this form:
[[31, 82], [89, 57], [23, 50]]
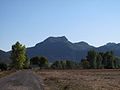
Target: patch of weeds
[[66, 87], [5, 73]]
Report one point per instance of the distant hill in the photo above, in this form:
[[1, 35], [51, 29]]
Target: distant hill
[[4, 57], [110, 47], [60, 48]]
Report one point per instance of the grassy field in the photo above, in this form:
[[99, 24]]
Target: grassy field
[[81, 79]]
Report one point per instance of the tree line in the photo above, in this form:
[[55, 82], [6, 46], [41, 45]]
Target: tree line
[[93, 60], [99, 60]]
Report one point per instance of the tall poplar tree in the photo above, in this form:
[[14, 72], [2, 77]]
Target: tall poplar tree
[[18, 56]]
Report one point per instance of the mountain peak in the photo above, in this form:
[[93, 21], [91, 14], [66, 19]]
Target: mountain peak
[[110, 44], [82, 43], [56, 39], [53, 40]]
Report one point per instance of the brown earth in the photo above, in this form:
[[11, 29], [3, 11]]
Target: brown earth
[[81, 79]]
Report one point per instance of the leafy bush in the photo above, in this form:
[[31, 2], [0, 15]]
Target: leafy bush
[[3, 66]]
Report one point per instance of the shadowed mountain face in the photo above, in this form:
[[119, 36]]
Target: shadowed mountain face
[[60, 48], [4, 57]]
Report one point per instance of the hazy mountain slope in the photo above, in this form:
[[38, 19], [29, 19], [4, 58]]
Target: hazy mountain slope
[[110, 47], [59, 48], [4, 57]]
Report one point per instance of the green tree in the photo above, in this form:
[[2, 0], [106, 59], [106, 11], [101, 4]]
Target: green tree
[[18, 56], [92, 57], [70, 64], [109, 60], [43, 62], [56, 65], [35, 61], [27, 63], [63, 64], [85, 64], [3, 66], [117, 62], [99, 61], [66, 64]]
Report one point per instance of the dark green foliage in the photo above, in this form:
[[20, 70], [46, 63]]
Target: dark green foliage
[[42, 62], [117, 62], [63, 64], [66, 64], [35, 61], [92, 57], [109, 60], [70, 64], [56, 65], [3, 66], [18, 56], [85, 64], [100, 60], [27, 63]]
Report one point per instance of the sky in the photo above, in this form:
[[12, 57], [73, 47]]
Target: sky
[[96, 22]]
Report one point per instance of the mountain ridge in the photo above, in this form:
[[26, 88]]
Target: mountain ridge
[[60, 48]]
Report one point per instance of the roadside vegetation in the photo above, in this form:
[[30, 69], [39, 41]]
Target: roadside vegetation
[[6, 73]]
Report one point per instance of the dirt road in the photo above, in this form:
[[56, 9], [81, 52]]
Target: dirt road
[[21, 80]]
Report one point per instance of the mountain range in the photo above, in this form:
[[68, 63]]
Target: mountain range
[[60, 48]]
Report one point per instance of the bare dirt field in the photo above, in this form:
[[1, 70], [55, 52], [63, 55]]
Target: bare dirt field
[[81, 79]]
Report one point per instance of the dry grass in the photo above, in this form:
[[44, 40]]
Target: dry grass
[[81, 79], [5, 73]]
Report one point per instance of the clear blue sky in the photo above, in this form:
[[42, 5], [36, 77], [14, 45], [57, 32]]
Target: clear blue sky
[[31, 21]]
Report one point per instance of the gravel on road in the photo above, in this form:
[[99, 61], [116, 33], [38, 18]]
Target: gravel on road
[[21, 80]]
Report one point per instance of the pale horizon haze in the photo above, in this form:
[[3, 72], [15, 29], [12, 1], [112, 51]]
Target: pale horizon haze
[[96, 22]]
